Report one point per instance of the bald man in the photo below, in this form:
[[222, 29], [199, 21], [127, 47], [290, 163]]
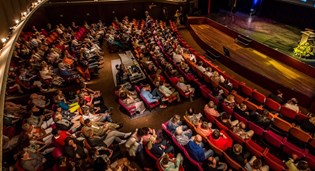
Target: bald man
[[195, 148]]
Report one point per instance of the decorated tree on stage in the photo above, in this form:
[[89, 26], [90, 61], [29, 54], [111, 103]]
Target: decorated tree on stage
[[304, 50], [306, 44]]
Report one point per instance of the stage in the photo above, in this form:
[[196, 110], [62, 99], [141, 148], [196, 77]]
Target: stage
[[281, 37], [256, 62]]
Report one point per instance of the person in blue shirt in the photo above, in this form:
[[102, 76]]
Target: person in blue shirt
[[146, 93], [155, 96], [196, 150]]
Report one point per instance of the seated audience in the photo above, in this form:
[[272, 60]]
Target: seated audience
[[308, 125], [295, 165], [168, 92], [220, 139], [183, 137], [226, 120], [214, 163], [210, 108], [32, 161], [293, 105], [171, 164], [204, 128], [229, 101], [192, 116], [238, 155], [255, 164], [174, 123], [130, 101], [278, 97], [240, 130], [105, 130]]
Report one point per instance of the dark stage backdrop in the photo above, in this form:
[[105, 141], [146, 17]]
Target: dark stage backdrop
[[289, 13]]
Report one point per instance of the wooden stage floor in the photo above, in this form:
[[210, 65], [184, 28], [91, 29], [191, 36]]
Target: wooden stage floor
[[256, 61]]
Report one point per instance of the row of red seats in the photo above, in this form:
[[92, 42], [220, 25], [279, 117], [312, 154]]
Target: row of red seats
[[270, 136], [257, 96]]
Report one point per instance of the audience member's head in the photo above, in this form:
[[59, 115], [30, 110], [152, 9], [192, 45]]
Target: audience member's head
[[237, 149], [190, 111], [211, 104], [302, 165], [216, 134], [198, 139], [176, 119], [257, 163]]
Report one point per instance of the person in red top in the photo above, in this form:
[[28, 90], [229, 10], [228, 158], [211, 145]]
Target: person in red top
[[59, 137], [221, 139]]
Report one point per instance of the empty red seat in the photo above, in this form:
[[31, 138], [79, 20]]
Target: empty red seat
[[235, 83], [282, 124], [288, 113], [251, 106], [273, 105], [248, 91], [300, 135], [259, 97]]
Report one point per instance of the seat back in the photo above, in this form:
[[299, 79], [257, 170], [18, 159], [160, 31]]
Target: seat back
[[300, 135], [235, 137], [221, 126], [273, 105], [282, 124], [216, 149], [274, 163], [227, 109], [311, 161], [259, 97], [291, 114], [250, 105], [235, 83], [290, 149], [240, 118], [246, 90], [151, 154], [190, 124], [300, 117], [257, 129], [254, 148], [274, 139], [238, 98]]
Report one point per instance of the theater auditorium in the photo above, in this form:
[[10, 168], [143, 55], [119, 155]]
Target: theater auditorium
[[157, 85]]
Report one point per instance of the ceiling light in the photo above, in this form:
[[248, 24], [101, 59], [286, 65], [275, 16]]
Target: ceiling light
[[3, 40], [16, 21]]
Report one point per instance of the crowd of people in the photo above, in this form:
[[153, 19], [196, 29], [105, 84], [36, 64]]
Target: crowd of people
[[74, 129]]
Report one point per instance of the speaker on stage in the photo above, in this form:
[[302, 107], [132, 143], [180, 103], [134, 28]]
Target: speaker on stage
[[226, 51]]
